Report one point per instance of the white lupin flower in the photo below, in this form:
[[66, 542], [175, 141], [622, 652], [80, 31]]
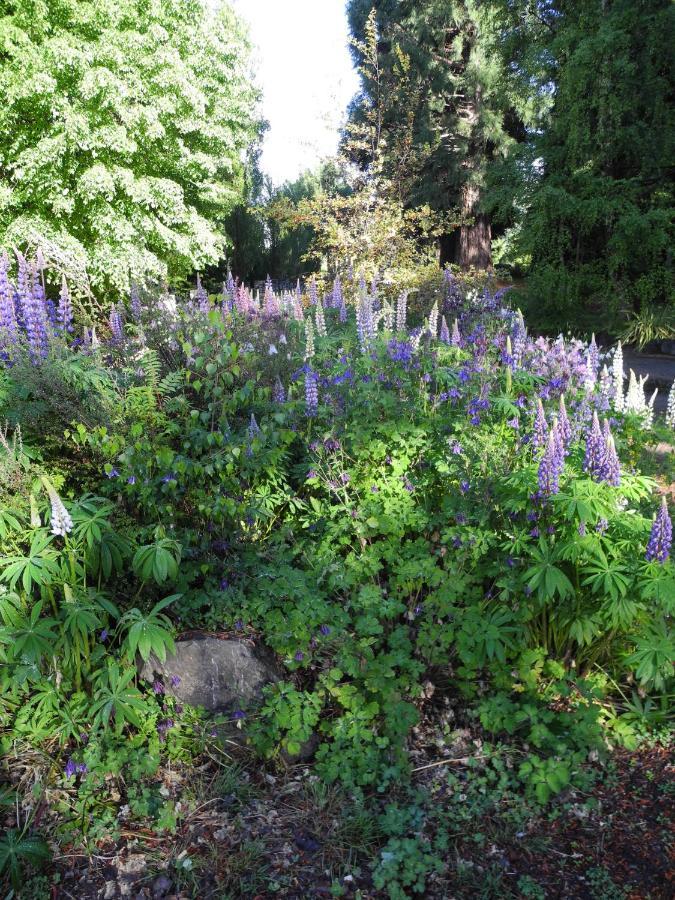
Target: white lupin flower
[[617, 378], [60, 520], [309, 339], [321, 329], [670, 408], [433, 320], [388, 317]]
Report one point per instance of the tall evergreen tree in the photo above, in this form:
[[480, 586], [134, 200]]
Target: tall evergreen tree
[[450, 110], [597, 188]]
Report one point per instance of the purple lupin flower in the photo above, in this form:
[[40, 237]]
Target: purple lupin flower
[[278, 394], [311, 393], [33, 312], [201, 296], [661, 537], [611, 467], [8, 322], [551, 465], [253, 428], [540, 430], [337, 300], [564, 427], [342, 315], [456, 338], [445, 333], [313, 295], [116, 328], [298, 313], [595, 449]]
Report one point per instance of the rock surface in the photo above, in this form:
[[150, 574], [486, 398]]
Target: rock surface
[[218, 675]]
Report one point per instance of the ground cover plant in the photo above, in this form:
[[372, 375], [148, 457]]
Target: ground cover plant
[[431, 518]]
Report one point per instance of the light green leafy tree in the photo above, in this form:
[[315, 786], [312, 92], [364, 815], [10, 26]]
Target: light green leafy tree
[[124, 126]]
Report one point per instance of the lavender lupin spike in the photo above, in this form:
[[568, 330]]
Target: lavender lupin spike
[[445, 332], [8, 323], [313, 295], [311, 393], [201, 296], [564, 423], [595, 449], [612, 467], [661, 537], [540, 430], [65, 310], [551, 466], [401, 311], [278, 394], [456, 338]]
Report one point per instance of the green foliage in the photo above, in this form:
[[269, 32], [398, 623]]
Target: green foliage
[[18, 848], [123, 126]]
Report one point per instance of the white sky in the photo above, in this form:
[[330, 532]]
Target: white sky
[[305, 72]]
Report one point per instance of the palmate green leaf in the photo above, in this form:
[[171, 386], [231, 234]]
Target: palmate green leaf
[[653, 658], [116, 698], [39, 568], [158, 561], [151, 633], [545, 577], [30, 637], [17, 848], [80, 618], [606, 577]]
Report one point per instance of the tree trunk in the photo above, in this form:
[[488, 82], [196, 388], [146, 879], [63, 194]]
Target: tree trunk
[[469, 246]]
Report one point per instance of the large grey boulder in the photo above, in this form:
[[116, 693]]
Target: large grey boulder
[[220, 675]]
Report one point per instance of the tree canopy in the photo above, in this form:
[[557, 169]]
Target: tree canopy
[[123, 131]]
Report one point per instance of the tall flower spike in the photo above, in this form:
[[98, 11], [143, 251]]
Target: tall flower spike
[[116, 325], [564, 426], [388, 315], [135, 302], [670, 408], [311, 393], [445, 332], [611, 467], [321, 329], [551, 466], [337, 298], [617, 378], [309, 338], [313, 295], [61, 522], [456, 338], [433, 321], [271, 306], [201, 296], [253, 428], [661, 537], [33, 310], [595, 449], [604, 389], [8, 323], [401, 311], [298, 313], [343, 312], [540, 427], [278, 394]]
